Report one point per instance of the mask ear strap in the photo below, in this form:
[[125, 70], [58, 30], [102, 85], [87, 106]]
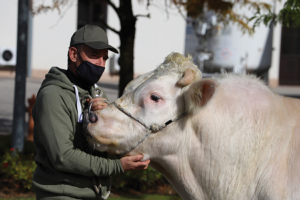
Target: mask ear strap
[[78, 53]]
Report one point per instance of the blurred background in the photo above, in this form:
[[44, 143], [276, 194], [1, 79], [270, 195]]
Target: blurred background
[[259, 38]]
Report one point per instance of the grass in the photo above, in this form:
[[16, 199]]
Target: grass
[[147, 197], [139, 197]]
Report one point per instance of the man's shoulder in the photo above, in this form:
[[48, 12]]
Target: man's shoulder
[[54, 92], [51, 90]]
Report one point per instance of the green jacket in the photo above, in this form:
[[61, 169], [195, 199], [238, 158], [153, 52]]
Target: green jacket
[[66, 164]]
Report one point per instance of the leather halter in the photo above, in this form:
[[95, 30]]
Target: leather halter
[[152, 128]]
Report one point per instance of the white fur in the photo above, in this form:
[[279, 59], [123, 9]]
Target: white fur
[[244, 143]]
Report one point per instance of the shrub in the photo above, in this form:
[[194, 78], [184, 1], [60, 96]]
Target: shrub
[[146, 181], [18, 168]]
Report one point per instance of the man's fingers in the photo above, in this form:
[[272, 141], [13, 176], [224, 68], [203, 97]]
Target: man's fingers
[[141, 166], [98, 105], [136, 158], [100, 99], [134, 163], [143, 163], [97, 108]]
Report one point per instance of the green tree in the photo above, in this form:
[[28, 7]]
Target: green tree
[[288, 16], [194, 8]]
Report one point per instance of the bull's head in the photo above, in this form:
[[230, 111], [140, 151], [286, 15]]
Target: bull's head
[[175, 87]]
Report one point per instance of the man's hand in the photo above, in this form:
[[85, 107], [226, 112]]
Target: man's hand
[[99, 103], [130, 163]]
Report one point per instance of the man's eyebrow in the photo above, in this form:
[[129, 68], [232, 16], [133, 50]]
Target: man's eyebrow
[[95, 51]]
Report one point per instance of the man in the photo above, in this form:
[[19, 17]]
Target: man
[[67, 167]]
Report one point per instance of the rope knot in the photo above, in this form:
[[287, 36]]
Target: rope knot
[[154, 127]]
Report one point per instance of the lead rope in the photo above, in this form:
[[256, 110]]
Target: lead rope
[[98, 187]]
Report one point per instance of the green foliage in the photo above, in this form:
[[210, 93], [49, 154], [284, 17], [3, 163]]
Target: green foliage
[[139, 180], [288, 16], [19, 168]]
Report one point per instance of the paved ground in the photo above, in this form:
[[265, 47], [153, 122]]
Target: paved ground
[[7, 86], [111, 89]]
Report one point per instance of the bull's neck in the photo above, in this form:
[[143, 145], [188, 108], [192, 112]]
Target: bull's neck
[[179, 173]]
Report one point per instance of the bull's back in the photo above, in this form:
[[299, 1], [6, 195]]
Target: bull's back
[[293, 181], [285, 174], [275, 117]]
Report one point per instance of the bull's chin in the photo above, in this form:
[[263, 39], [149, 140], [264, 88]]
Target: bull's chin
[[96, 146]]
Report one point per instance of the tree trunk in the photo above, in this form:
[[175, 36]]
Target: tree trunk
[[127, 36]]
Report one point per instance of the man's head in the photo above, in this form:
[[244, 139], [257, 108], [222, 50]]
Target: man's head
[[89, 44], [92, 36]]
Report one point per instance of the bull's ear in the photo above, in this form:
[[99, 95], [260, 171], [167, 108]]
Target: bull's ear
[[202, 91]]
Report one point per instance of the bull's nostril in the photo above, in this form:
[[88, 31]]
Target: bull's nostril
[[93, 118]]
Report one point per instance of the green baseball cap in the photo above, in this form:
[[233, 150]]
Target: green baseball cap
[[92, 36]]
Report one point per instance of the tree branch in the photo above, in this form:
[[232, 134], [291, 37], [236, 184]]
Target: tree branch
[[180, 12], [109, 27], [166, 8], [136, 16], [114, 7], [62, 15]]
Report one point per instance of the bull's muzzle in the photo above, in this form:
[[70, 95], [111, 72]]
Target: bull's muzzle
[[88, 117]]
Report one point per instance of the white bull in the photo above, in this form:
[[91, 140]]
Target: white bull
[[234, 139]]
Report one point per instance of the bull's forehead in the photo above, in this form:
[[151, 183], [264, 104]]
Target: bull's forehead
[[137, 81], [162, 85]]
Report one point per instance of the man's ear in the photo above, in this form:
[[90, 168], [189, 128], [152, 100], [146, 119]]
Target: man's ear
[[201, 92], [73, 54]]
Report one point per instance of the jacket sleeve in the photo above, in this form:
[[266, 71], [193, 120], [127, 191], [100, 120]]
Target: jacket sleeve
[[54, 123]]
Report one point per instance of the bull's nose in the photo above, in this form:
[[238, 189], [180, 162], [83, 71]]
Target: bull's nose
[[93, 117]]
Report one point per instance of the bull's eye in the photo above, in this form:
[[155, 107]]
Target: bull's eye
[[155, 97]]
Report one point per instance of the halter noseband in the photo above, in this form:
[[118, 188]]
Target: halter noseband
[[154, 127]]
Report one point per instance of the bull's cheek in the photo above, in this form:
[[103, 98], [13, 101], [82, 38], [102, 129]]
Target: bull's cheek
[[118, 134], [101, 135]]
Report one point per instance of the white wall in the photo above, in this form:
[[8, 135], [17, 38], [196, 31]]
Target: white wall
[[156, 37], [275, 64], [50, 39], [51, 36], [8, 23]]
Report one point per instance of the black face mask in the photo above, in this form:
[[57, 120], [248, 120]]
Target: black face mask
[[89, 73]]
